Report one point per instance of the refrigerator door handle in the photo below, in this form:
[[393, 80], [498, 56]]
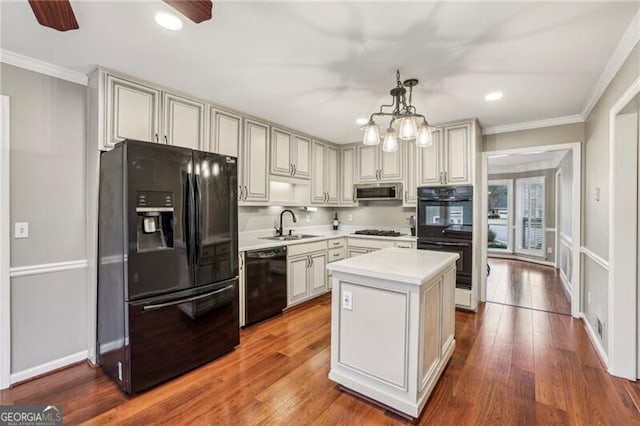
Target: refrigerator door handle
[[198, 218], [188, 299], [188, 221]]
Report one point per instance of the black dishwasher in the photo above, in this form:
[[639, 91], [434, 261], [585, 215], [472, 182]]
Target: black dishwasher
[[266, 284]]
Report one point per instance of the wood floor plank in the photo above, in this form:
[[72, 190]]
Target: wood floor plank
[[511, 366]]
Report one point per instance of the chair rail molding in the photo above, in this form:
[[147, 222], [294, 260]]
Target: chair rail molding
[[47, 268]]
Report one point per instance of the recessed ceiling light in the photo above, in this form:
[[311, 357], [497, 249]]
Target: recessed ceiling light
[[493, 96], [362, 121], [168, 21]]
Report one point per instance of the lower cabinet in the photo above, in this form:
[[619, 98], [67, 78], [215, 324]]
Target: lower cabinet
[[306, 272]]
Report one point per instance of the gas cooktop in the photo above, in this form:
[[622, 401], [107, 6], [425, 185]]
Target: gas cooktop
[[378, 233]]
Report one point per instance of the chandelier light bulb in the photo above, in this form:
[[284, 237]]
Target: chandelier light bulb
[[424, 138], [407, 129], [390, 143], [371, 134]]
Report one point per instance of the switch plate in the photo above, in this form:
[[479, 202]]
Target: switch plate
[[589, 297], [549, 250], [21, 230], [597, 193], [347, 300]]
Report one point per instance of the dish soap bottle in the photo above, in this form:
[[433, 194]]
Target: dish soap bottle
[[336, 222]]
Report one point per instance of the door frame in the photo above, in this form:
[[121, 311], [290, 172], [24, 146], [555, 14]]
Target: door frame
[[5, 240], [558, 188], [576, 210], [622, 330]]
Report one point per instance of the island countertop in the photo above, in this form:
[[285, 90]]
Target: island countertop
[[397, 264]]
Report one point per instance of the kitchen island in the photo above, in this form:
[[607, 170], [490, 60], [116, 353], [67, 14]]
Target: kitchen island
[[392, 325]]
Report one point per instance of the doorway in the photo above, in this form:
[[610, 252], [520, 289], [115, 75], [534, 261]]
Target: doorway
[[526, 268]]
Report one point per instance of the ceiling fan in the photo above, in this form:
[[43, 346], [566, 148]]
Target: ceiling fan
[[58, 14]]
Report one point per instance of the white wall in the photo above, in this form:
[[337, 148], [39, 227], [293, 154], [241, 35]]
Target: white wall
[[48, 310]]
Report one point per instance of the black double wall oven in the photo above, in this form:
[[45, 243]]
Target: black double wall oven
[[167, 262], [445, 223]]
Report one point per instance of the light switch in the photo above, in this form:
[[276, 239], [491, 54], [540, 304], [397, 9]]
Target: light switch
[[347, 300], [597, 193], [21, 230]]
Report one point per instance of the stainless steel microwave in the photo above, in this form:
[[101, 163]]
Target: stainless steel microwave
[[378, 191]]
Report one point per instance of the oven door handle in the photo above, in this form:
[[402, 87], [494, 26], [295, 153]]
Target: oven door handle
[[454, 244], [188, 299]]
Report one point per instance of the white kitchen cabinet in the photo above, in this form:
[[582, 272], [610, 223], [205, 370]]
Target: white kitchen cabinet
[[325, 174], [183, 122], [410, 175], [132, 112], [225, 133], [255, 162], [307, 271], [290, 154], [301, 157], [348, 165], [376, 165], [355, 251], [405, 244], [448, 161]]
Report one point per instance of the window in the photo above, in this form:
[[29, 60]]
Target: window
[[499, 215], [530, 220]]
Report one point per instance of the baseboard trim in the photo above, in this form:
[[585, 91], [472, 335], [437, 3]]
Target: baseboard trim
[[565, 283], [47, 367], [521, 258], [46, 268], [594, 341]]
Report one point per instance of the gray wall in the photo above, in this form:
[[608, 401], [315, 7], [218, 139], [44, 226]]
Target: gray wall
[[565, 226], [48, 311], [549, 202], [566, 133], [596, 174]]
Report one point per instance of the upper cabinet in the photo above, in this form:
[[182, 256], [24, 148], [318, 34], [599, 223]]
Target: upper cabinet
[[375, 165], [325, 174], [183, 122], [449, 160], [225, 132], [290, 154], [255, 160], [132, 112], [348, 162], [136, 111]]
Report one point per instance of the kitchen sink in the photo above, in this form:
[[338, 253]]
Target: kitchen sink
[[293, 237]]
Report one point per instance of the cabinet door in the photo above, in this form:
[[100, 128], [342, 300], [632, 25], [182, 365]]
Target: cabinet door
[[353, 251], [318, 194], [457, 153], [348, 162], [391, 164], [367, 163], [430, 161], [318, 273], [301, 157], [297, 278], [256, 161], [410, 175], [281, 161], [225, 133], [331, 174], [132, 112], [183, 122]]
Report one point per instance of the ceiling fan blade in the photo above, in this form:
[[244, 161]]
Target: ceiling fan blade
[[56, 14], [196, 10]]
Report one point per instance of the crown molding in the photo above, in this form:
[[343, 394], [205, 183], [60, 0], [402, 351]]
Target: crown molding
[[21, 61], [527, 125], [620, 54]]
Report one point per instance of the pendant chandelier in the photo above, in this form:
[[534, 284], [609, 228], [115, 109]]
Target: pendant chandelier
[[410, 124]]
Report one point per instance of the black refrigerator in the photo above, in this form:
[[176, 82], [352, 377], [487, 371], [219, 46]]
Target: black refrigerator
[[167, 261]]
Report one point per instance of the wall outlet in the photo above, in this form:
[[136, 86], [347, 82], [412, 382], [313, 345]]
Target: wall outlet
[[597, 193], [600, 326], [347, 299], [549, 250], [350, 217], [21, 230], [589, 297]]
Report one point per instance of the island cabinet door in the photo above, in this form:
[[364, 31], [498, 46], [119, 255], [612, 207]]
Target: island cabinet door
[[318, 273], [431, 299], [297, 278], [448, 309]]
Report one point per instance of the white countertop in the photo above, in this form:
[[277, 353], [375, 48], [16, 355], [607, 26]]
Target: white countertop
[[397, 264], [252, 240]]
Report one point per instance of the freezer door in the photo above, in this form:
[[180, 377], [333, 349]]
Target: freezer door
[[216, 227], [175, 333], [159, 226]]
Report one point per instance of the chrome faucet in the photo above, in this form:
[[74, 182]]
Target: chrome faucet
[[279, 231]]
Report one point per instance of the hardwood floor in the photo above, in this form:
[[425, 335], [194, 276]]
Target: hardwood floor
[[527, 285], [511, 366]]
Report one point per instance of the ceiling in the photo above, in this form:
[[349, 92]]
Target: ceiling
[[318, 66], [523, 162]]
